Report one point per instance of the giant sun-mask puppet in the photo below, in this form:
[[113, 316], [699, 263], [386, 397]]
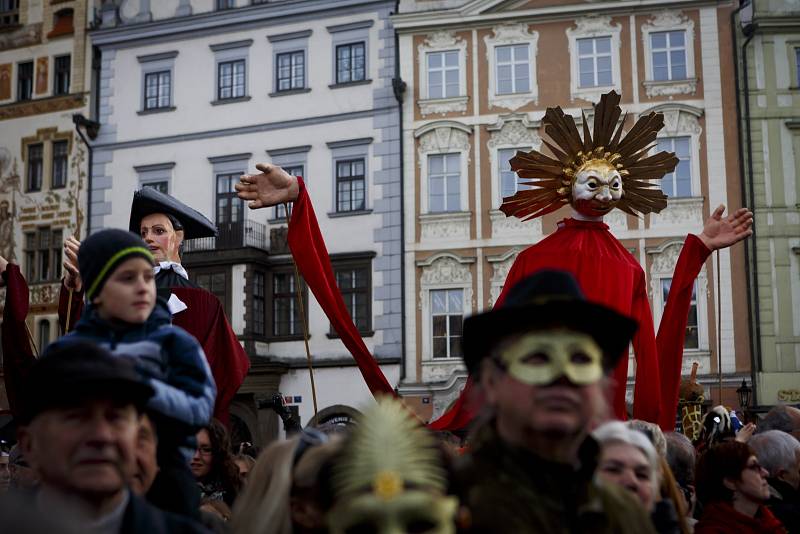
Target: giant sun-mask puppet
[[602, 171], [390, 478]]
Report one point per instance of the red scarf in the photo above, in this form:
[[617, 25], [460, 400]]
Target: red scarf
[[721, 517]]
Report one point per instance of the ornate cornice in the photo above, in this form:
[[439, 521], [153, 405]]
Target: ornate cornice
[[42, 106]]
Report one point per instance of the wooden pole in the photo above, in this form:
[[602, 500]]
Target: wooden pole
[[299, 295]]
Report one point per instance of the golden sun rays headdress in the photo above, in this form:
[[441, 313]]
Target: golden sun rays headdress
[[388, 453], [551, 179]]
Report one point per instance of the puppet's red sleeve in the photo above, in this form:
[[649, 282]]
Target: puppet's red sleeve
[[647, 389], [672, 329], [18, 356], [311, 256]]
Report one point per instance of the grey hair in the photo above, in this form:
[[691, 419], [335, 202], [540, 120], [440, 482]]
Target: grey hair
[[776, 419], [681, 458], [618, 432], [652, 432], [775, 450]]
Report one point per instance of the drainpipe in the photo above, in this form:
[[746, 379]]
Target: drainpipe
[[399, 87], [746, 153]]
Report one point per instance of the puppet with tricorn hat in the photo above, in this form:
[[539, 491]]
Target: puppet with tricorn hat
[[603, 169], [193, 308]]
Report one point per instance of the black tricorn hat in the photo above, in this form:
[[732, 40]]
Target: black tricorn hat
[[148, 200], [72, 371], [547, 299]]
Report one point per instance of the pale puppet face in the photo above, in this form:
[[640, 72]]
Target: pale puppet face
[[597, 188], [161, 237]]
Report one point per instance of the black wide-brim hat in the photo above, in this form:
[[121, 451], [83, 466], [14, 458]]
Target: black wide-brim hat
[[148, 200], [547, 300], [71, 372]]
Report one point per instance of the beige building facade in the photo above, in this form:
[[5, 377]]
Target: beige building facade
[[480, 75], [44, 79]]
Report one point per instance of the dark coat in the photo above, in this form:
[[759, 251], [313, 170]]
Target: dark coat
[[142, 517], [784, 503], [510, 490]]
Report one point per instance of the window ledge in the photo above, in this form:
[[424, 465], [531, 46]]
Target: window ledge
[[280, 339], [221, 101], [443, 105], [337, 214], [291, 92], [513, 101], [155, 110], [349, 84], [670, 87], [444, 361], [367, 333]]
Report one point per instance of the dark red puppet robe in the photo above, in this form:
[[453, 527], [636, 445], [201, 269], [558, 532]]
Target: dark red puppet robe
[[607, 273], [205, 320], [610, 275], [18, 356]]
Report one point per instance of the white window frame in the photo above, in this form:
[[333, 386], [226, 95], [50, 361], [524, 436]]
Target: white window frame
[[691, 166], [351, 33], [157, 172], [152, 63], [664, 259], [442, 41], [444, 270], [227, 52], [348, 150], [586, 28], [288, 43], [681, 120], [443, 137], [512, 131], [667, 21], [509, 35], [446, 172]]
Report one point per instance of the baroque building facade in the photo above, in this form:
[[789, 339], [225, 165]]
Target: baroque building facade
[[192, 95], [481, 74], [45, 79], [768, 54]]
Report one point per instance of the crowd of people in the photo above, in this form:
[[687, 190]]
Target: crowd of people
[[116, 435]]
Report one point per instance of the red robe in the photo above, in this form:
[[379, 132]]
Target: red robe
[[205, 320], [18, 356], [610, 276]]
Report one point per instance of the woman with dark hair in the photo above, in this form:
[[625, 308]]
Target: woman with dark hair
[[213, 464], [733, 488]]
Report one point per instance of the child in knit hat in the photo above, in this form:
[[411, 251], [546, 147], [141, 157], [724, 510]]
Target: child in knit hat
[[124, 316]]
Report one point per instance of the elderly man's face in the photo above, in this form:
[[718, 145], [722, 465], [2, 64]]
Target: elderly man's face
[[86, 449], [526, 404], [146, 457], [161, 237]]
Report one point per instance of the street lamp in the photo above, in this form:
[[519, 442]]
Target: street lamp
[[744, 393]]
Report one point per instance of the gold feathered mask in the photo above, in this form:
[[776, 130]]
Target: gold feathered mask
[[551, 180]]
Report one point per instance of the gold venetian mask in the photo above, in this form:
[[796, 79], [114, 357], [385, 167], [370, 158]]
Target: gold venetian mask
[[540, 358]]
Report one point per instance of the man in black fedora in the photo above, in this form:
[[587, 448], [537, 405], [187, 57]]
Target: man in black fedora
[[79, 423], [542, 359]]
